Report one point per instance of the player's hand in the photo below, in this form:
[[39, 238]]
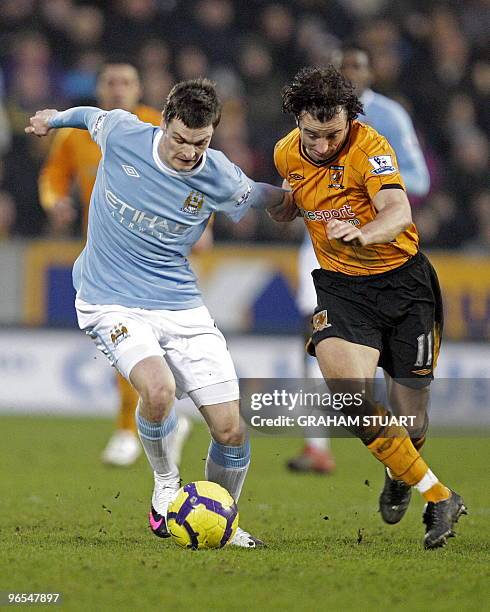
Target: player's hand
[[345, 232], [39, 123], [286, 210]]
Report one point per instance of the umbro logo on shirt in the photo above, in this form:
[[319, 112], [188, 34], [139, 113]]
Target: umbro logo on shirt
[[130, 171]]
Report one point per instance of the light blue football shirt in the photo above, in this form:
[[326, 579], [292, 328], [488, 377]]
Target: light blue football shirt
[[392, 121], [144, 217]]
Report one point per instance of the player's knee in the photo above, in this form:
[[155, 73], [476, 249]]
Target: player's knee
[[158, 398], [230, 436]]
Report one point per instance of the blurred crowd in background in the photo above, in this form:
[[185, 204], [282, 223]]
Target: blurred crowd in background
[[433, 57]]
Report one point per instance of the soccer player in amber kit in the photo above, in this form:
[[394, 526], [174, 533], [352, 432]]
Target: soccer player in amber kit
[[393, 122], [377, 294]]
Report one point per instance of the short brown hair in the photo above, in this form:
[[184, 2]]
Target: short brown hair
[[194, 102]]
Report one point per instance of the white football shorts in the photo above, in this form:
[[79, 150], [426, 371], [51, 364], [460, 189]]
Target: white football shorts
[[191, 344]]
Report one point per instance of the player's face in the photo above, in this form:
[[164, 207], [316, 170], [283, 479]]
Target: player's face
[[119, 87], [182, 147], [322, 139], [355, 68]]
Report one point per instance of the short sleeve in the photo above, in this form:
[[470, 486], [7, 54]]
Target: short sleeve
[[240, 189], [101, 124], [378, 167]]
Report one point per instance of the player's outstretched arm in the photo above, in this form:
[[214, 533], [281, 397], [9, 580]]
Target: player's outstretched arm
[[81, 117], [279, 203]]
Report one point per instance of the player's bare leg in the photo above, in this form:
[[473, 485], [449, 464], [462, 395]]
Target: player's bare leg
[[228, 457], [316, 455], [156, 422], [391, 445]]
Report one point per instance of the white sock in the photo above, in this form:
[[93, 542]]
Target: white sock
[[321, 444], [157, 439], [228, 466], [427, 482]]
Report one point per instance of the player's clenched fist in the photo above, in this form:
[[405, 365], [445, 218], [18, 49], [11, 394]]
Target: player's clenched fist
[[286, 210], [39, 125], [345, 231]]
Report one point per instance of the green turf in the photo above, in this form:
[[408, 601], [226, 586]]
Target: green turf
[[71, 525]]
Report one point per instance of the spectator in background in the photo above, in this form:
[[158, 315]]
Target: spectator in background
[[479, 244], [5, 131], [213, 28], [79, 81], [191, 62], [154, 61], [277, 27], [262, 82], [130, 23], [31, 76], [7, 215]]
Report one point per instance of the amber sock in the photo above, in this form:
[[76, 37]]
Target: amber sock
[[396, 451], [418, 443], [128, 401]]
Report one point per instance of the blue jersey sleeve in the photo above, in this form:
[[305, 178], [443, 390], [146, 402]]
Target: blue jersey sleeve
[[246, 193], [238, 199], [97, 121], [392, 121]]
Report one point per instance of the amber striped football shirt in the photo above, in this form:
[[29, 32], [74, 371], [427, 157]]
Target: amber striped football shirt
[[343, 188]]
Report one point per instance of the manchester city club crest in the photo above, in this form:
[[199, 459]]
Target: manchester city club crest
[[336, 177], [193, 203]]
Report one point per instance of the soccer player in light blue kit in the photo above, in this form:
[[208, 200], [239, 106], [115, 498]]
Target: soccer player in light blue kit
[[137, 296], [391, 120]]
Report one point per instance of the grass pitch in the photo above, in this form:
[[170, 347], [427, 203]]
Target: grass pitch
[[71, 525]]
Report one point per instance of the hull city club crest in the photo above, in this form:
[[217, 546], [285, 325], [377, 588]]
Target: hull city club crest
[[320, 321], [336, 177]]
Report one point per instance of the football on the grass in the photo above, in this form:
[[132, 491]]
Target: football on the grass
[[202, 515]]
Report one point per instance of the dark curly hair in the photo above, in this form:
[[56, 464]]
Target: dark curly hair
[[320, 92], [194, 102]]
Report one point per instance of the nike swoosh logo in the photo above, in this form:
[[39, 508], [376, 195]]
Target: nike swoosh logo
[[154, 524]]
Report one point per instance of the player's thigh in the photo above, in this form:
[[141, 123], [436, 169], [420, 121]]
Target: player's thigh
[[155, 383], [339, 358], [121, 334], [197, 354], [348, 367], [224, 422]]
